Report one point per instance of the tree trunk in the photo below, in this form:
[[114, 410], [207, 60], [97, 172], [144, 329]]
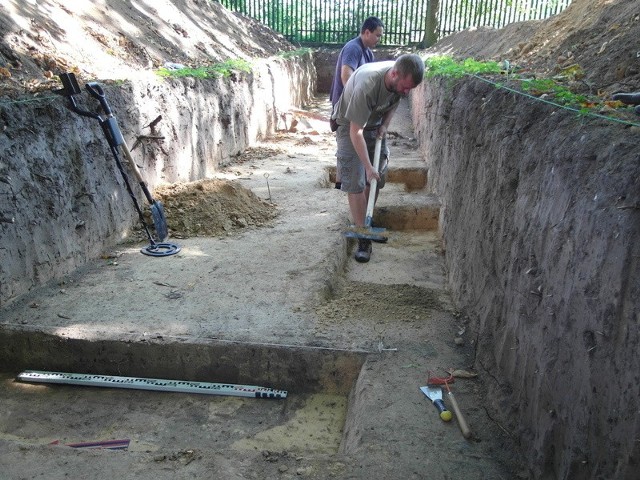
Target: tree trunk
[[431, 24]]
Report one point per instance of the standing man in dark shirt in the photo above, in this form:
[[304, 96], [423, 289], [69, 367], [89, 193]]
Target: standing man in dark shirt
[[355, 52]]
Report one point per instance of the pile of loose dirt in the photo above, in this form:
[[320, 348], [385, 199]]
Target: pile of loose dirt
[[212, 208], [113, 39], [392, 304], [216, 207], [600, 37]]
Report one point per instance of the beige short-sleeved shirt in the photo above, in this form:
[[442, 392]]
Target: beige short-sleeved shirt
[[365, 98]]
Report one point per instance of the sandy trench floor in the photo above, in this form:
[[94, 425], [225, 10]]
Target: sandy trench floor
[[291, 281]]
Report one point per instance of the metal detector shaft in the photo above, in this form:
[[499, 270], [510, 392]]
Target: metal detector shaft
[[109, 127], [116, 139]]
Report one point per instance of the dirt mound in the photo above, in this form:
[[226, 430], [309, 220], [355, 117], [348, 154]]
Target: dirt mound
[[212, 208], [601, 37], [121, 40]]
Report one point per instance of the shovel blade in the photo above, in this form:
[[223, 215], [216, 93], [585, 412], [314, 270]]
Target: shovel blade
[[159, 221], [435, 395], [370, 233], [432, 393]]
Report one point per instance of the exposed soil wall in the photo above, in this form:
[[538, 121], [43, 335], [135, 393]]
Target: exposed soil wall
[[67, 196], [539, 206], [325, 63], [540, 225], [539, 222]]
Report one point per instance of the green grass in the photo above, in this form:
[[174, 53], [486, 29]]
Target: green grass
[[223, 69], [547, 86], [552, 89], [300, 52], [448, 67], [217, 70]]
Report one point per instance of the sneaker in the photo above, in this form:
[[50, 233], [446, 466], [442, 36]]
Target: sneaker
[[363, 254]]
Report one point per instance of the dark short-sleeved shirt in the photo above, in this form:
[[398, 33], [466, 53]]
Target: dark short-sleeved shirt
[[354, 54]]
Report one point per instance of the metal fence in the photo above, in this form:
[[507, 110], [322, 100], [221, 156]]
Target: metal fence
[[407, 22], [456, 15]]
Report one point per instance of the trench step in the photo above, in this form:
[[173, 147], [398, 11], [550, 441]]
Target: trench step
[[299, 369], [413, 178], [403, 218]]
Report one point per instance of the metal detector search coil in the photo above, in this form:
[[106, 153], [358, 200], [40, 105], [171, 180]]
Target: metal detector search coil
[[160, 249]]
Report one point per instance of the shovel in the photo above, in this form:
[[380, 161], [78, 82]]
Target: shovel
[[435, 395], [368, 232], [115, 139]]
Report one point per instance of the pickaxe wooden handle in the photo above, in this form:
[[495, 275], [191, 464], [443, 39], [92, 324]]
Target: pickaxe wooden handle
[[466, 431]]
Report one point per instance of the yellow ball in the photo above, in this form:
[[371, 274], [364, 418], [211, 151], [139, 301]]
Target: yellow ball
[[446, 415]]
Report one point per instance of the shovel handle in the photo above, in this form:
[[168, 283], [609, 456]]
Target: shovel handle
[[136, 172], [373, 185], [97, 92], [466, 431], [444, 413]]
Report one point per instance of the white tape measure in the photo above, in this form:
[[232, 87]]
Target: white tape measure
[[182, 386]]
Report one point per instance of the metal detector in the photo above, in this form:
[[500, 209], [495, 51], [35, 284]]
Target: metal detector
[[115, 139]]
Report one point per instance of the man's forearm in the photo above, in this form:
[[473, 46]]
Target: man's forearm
[[359, 144], [345, 73]]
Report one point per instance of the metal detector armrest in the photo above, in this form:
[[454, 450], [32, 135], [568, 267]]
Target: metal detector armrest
[[70, 88], [69, 85]]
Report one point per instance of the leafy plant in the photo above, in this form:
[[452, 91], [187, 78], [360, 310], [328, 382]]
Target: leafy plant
[[300, 52], [448, 67], [560, 93], [217, 70], [549, 87], [538, 86]]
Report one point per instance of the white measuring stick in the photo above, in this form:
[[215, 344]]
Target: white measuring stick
[[156, 384]]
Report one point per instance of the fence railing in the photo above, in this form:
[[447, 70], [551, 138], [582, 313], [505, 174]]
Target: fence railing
[[456, 15], [407, 22]]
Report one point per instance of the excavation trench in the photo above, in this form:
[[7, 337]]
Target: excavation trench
[[276, 302], [310, 419], [537, 218], [320, 382]]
